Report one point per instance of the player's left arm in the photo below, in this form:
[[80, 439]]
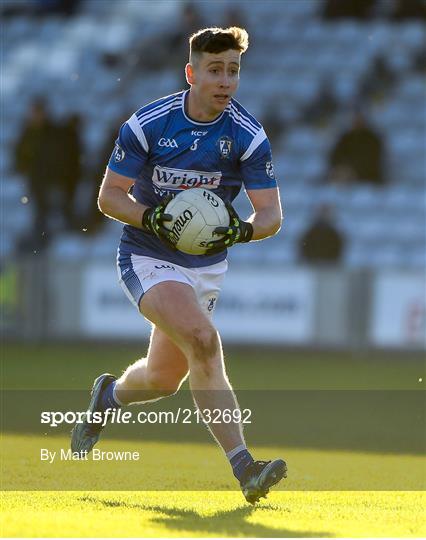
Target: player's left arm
[[258, 174], [267, 216], [259, 181], [265, 221]]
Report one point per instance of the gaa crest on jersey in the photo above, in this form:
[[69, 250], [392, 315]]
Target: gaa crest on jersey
[[225, 145], [269, 166], [119, 153]]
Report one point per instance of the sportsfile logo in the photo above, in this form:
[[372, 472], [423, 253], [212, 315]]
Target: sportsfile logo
[[167, 178]]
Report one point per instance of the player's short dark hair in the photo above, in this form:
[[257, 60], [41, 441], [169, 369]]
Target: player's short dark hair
[[217, 40]]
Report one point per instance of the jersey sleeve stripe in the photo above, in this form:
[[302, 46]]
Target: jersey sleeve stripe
[[238, 121], [149, 109], [138, 131], [152, 114], [250, 121], [164, 113], [257, 141]]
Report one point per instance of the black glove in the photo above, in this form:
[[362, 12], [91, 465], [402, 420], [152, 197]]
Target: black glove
[[153, 221], [238, 231]]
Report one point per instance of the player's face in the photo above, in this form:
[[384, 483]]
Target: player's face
[[214, 80]]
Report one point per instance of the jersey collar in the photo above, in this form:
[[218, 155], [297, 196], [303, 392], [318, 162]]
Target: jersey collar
[[184, 98]]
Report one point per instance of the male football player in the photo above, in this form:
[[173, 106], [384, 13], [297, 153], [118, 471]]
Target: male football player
[[200, 137]]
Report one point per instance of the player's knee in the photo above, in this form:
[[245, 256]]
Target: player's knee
[[204, 344]]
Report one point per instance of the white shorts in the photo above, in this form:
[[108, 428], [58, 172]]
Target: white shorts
[[137, 274]]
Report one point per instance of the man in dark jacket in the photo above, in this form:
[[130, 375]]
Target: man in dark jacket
[[69, 167], [358, 155], [36, 159], [322, 243]]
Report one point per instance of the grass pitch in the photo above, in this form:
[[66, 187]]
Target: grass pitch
[[206, 504], [213, 514]]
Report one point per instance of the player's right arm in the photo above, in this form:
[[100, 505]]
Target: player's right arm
[[125, 165], [116, 202]]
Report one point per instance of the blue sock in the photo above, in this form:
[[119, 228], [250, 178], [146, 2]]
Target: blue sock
[[107, 400], [239, 462]]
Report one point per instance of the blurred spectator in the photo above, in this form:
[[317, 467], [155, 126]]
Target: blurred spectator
[[378, 80], [322, 242], [164, 51], [273, 125], [358, 9], [177, 46], [191, 21], [69, 150], [40, 8], [174, 48], [409, 9], [420, 62], [36, 159], [357, 155], [234, 16], [322, 109], [66, 8]]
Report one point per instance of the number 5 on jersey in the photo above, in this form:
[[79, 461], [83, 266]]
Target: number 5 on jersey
[[194, 145]]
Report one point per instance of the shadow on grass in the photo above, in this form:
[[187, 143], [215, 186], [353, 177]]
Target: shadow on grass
[[231, 523]]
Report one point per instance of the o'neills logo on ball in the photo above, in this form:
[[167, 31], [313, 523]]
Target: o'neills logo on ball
[[180, 224]]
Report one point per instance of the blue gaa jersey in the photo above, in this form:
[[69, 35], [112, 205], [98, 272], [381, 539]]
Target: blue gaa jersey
[[165, 151]]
